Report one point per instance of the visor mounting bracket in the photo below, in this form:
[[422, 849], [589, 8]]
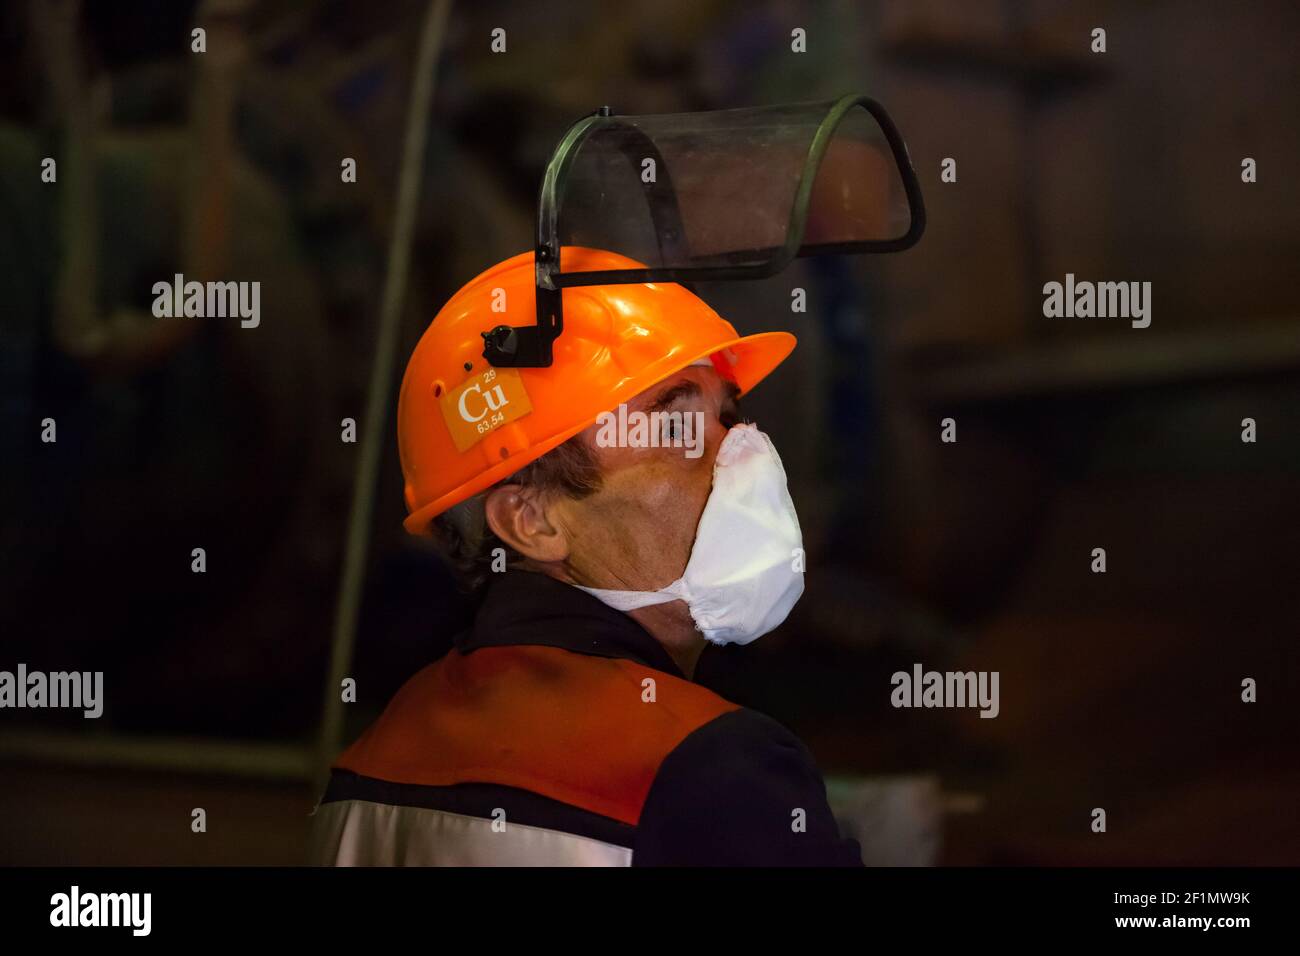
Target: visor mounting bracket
[[527, 346]]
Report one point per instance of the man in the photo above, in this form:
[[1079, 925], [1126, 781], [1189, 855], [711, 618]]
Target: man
[[563, 728]]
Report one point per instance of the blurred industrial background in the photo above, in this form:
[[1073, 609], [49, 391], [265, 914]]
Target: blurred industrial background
[[1119, 690]]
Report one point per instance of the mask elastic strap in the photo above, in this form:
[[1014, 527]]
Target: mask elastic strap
[[632, 600]]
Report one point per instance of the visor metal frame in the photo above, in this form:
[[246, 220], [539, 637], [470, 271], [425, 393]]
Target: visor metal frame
[[531, 346]]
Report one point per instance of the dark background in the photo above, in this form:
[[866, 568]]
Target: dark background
[[1118, 690]]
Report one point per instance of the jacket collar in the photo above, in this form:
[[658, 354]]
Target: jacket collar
[[526, 607]]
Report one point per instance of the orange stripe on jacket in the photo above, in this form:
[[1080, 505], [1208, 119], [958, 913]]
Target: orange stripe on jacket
[[569, 726]]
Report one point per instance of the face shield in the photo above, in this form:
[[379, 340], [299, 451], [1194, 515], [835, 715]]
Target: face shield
[[722, 195]]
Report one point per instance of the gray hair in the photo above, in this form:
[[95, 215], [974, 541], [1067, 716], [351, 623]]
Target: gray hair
[[462, 534]]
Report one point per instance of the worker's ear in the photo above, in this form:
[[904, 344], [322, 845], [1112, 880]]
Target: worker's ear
[[517, 515]]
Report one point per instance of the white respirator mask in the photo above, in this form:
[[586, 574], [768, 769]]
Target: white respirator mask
[[745, 571]]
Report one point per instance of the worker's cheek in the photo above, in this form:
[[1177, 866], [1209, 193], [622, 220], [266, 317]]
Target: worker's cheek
[[643, 519]]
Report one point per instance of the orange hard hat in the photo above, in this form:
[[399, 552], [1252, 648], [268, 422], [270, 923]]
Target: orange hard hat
[[463, 425]]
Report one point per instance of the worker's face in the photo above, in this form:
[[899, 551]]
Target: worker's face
[[636, 532]]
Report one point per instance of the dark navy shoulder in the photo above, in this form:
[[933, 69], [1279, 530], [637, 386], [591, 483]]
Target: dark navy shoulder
[[741, 790]]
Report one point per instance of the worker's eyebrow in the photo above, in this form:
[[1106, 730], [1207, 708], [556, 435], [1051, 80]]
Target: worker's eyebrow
[[683, 389]]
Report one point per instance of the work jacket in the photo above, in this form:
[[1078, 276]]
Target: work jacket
[[559, 732]]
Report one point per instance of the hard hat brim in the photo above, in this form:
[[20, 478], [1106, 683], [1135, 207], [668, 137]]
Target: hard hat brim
[[750, 358]]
